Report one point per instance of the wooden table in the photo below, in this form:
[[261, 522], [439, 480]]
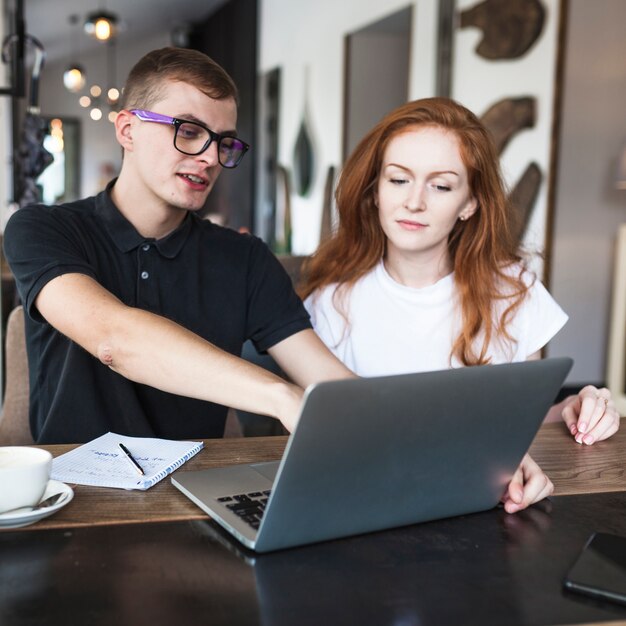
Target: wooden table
[[150, 558], [573, 468], [580, 469], [97, 506]]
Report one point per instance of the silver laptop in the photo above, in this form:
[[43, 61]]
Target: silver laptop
[[375, 453]]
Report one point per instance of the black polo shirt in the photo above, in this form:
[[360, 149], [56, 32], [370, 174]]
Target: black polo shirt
[[222, 285]]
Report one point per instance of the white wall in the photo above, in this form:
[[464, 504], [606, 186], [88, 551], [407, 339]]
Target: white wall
[[98, 140], [588, 208], [478, 83], [296, 35]]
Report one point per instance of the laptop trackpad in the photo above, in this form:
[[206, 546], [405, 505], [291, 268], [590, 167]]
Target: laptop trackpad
[[267, 469]]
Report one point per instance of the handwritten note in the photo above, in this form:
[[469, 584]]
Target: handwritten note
[[101, 463]]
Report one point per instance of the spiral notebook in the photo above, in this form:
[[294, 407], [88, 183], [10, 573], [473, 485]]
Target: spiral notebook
[[102, 463]]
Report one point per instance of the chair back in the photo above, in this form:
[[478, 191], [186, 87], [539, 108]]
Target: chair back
[[293, 266], [14, 423]]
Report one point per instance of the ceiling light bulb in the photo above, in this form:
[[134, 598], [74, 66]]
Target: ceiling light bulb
[[95, 91], [95, 114], [101, 25], [103, 30], [74, 78], [113, 94], [84, 101]]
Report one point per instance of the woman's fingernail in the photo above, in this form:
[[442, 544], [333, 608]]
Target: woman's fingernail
[[588, 439], [582, 427], [579, 438], [573, 429]]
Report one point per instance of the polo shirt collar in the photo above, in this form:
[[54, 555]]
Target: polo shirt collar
[[126, 237]]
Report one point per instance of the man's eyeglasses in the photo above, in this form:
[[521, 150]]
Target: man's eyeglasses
[[192, 138]]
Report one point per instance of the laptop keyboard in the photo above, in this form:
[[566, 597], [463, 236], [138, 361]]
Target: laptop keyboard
[[248, 506]]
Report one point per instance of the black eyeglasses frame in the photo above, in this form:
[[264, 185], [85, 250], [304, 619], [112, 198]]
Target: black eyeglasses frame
[[150, 116]]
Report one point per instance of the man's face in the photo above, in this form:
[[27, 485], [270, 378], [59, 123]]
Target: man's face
[[158, 170]]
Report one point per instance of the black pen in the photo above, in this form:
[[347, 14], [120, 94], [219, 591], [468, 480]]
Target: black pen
[[131, 458]]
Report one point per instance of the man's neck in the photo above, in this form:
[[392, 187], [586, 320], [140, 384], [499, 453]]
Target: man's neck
[[151, 217]]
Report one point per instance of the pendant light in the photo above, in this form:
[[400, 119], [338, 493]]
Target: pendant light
[[101, 25], [74, 75]]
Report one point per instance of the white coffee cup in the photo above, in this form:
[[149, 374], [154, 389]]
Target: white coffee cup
[[24, 474]]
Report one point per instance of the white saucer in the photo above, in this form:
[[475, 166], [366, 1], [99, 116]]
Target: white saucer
[[24, 517]]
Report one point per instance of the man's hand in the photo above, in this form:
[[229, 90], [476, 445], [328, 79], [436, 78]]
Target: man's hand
[[528, 485], [305, 360]]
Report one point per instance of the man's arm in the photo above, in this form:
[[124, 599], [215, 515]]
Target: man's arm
[[152, 350], [305, 359]]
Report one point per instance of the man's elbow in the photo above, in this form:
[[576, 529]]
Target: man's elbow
[[104, 353]]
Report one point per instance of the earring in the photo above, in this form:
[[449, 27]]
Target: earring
[[462, 218]]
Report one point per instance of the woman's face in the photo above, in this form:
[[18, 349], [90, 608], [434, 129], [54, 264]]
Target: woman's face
[[422, 191]]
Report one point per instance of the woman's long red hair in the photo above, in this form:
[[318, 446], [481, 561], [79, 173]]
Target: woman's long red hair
[[481, 249]]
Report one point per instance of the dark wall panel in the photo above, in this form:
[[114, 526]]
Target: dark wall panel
[[229, 36]]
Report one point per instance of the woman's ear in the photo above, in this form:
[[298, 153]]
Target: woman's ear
[[123, 129], [470, 208]]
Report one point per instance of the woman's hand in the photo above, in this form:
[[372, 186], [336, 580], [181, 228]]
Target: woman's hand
[[591, 415], [528, 485]]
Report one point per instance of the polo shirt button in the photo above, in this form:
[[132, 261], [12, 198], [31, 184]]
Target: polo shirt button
[[145, 247], [145, 275]]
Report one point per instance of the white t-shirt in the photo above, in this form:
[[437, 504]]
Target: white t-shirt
[[395, 329]]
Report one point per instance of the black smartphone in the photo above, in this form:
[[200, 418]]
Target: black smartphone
[[600, 569]]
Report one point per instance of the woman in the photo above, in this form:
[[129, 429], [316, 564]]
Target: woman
[[423, 272]]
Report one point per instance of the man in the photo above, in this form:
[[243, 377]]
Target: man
[[162, 299]]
